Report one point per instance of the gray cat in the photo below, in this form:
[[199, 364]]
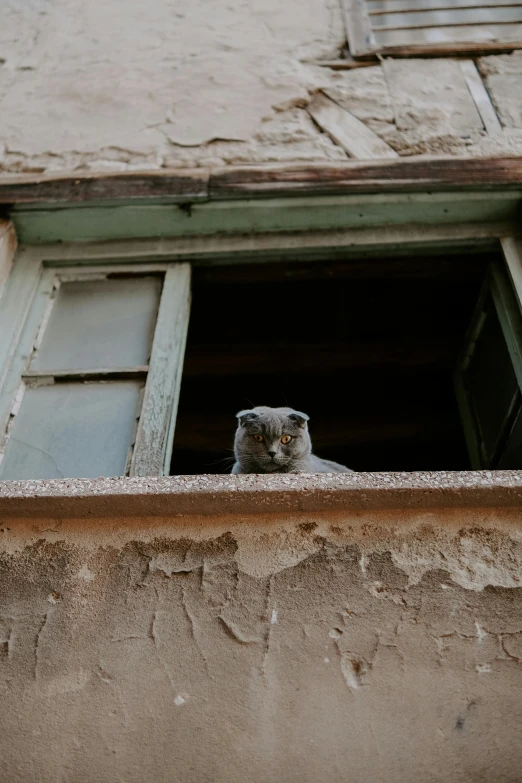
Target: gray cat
[[276, 440]]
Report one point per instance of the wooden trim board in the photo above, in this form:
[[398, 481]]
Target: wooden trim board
[[155, 434], [450, 49], [255, 217], [398, 175], [481, 97], [175, 185], [347, 131], [241, 248], [386, 176]]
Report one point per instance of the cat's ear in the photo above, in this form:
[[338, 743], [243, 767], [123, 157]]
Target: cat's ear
[[299, 418], [245, 416]]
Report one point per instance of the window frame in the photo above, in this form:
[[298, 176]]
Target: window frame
[[500, 290], [362, 44], [314, 213], [150, 451]]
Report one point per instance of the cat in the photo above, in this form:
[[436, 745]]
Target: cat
[[276, 440]]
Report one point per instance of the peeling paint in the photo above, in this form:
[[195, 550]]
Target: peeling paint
[[186, 655], [218, 98], [354, 670], [69, 683]]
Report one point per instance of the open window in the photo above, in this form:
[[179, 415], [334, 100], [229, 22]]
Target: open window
[[409, 27], [366, 346], [403, 360]]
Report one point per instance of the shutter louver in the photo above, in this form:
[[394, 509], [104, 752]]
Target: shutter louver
[[407, 27]]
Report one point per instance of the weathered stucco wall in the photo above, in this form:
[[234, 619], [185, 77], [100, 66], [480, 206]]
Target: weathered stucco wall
[[106, 86], [316, 633]]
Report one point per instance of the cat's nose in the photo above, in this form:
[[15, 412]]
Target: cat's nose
[[272, 453]]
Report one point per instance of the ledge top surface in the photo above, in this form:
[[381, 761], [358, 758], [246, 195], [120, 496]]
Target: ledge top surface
[[218, 495]]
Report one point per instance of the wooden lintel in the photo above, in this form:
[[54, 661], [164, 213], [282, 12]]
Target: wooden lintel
[[375, 176], [415, 174], [176, 185]]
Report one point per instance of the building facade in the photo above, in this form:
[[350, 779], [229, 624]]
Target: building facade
[[203, 203]]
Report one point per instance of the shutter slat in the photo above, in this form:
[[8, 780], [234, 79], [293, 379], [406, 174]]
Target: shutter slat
[[409, 27], [457, 34], [376, 7], [440, 18]]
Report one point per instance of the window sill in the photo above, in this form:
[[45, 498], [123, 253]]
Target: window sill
[[211, 495]]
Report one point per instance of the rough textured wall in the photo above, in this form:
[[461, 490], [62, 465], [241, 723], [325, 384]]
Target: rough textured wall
[[329, 646], [109, 86]]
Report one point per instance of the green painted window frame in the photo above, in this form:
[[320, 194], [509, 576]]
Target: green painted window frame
[[503, 289], [27, 303], [147, 235]]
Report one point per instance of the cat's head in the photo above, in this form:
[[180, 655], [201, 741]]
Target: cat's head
[[270, 439]]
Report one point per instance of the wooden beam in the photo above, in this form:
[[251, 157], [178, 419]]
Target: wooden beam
[[176, 185], [399, 175], [385, 176], [347, 131], [7, 250], [481, 97], [464, 50], [450, 49]]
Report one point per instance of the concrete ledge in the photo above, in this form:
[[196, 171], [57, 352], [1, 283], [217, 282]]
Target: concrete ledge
[[213, 495]]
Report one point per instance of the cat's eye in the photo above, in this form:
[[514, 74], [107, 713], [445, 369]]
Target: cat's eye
[[259, 438], [286, 439]]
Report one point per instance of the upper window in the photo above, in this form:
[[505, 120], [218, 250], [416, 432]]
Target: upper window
[[408, 27]]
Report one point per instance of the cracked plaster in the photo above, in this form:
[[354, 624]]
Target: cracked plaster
[[285, 644], [78, 85], [93, 87], [292, 629], [244, 627]]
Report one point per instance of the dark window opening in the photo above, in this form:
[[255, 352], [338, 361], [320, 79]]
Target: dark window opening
[[366, 347]]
